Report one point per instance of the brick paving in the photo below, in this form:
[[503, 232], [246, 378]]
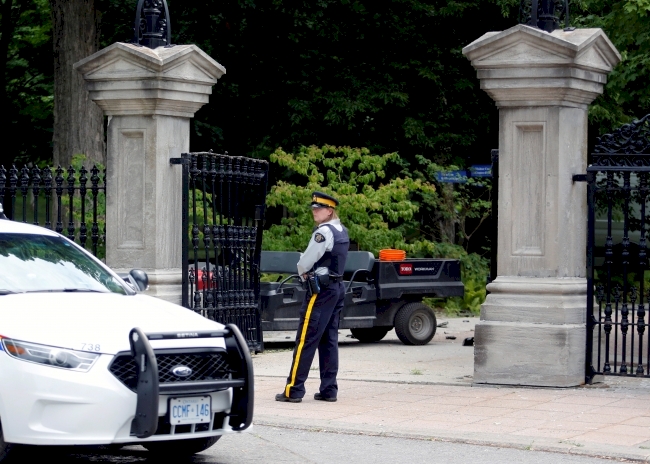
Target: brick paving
[[584, 420], [608, 419]]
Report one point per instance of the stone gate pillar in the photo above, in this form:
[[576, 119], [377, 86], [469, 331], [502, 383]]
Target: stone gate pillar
[[532, 327], [149, 96]]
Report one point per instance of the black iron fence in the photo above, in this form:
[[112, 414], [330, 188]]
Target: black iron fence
[[223, 209], [618, 285], [70, 201]]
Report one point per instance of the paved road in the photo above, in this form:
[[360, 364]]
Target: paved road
[[271, 445], [443, 360]]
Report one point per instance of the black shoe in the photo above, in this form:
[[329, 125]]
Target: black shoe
[[287, 399], [319, 397]]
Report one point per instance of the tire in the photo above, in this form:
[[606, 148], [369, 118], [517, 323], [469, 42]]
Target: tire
[[179, 448], [5, 448], [370, 334], [415, 324]]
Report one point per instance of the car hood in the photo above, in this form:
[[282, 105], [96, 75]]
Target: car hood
[[103, 320]]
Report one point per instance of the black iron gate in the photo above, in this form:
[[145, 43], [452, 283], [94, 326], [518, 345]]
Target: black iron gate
[[618, 289], [223, 209]]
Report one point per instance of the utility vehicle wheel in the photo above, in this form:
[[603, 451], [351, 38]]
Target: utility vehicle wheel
[[415, 324], [181, 447], [370, 334]]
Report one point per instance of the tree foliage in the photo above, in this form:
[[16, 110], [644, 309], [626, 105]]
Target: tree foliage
[[389, 76], [26, 80], [627, 95], [386, 75], [374, 208], [627, 24], [379, 209]]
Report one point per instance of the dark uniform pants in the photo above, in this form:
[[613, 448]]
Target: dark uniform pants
[[319, 327]]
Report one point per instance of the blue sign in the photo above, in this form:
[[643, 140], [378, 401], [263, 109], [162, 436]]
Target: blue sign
[[452, 177], [481, 170]]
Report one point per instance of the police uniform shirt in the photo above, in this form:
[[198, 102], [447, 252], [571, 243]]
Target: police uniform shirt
[[322, 240]]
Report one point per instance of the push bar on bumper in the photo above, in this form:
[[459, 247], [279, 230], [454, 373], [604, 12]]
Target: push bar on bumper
[[148, 389], [239, 355], [145, 422]]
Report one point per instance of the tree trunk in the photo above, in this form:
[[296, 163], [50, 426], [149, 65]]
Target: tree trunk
[[447, 222], [78, 122]]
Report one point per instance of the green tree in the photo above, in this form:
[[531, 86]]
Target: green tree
[[25, 80], [379, 210], [373, 208], [627, 24], [627, 95], [386, 75], [458, 211]]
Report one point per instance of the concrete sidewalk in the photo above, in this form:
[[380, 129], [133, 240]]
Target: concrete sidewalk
[[426, 393]]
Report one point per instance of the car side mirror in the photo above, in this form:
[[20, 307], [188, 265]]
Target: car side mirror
[[138, 279]]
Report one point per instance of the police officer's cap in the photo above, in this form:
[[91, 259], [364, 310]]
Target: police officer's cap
[[322, 200]]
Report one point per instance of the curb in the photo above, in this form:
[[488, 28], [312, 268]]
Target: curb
[[619, 453], [400, 382]]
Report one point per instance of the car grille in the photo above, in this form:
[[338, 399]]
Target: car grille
[[205, 366]]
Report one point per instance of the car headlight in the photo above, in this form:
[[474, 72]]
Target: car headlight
[[50, 355]]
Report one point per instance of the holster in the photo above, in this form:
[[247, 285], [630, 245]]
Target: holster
[[313, 285]]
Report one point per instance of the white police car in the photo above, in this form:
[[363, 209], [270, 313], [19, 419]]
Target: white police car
[[85, 360]]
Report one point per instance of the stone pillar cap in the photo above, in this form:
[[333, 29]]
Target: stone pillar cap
[[526, 66], [127, 79]]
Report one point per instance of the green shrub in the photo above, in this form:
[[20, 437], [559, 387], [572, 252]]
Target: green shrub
[[378, 212], [474, 272]]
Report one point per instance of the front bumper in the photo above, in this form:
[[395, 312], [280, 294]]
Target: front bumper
[[41, 405]]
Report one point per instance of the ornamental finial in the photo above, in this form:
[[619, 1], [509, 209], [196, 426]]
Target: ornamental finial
[[152, 27], [544, 14]]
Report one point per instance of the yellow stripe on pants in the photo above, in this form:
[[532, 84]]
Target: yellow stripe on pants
[[300, 345]]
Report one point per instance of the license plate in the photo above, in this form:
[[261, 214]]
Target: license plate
[[190, 410]]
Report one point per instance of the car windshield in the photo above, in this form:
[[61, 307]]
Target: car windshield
[[41, 263]]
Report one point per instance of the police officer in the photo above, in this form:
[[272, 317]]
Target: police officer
[[323, 263]]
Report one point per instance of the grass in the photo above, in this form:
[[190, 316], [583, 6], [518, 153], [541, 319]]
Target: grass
[[416, 372], [579, 445], [278, 350]]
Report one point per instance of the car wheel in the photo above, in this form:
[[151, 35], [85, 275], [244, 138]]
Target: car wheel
[[4, 446], [370, 334], [181, 447], [415, 324]]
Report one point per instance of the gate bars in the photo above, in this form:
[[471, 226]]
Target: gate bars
[[76, 203], [617, 261], [223, 209]]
